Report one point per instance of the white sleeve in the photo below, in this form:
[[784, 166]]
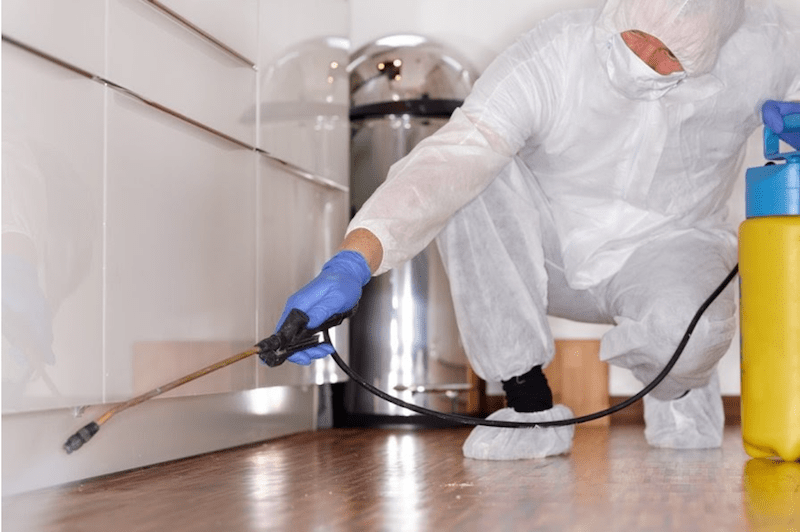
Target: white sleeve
[[425, 188], [509, 105]]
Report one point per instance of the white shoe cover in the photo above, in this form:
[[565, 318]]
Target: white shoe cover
[[695, 421], [496, 443]]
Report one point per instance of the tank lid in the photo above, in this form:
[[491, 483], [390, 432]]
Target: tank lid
[[405, 68], [773, 190]]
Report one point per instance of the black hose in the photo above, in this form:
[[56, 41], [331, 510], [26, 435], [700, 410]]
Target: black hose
[[469, 420]]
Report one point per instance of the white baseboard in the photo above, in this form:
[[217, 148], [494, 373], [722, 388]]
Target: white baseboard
[[156, 431]]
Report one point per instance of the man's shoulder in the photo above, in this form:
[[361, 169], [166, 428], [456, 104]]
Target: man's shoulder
[[564, 33], [565, 22]]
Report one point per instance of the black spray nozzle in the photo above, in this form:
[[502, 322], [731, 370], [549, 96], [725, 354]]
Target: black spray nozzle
[[82, 436], [294, 336]]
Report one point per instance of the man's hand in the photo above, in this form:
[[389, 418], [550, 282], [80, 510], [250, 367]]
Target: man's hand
[[773, 112], [335, 290]]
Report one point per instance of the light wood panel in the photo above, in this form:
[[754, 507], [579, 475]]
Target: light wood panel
[[579, 379]]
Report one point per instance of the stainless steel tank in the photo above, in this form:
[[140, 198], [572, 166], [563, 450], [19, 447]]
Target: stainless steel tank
[[404, 338]]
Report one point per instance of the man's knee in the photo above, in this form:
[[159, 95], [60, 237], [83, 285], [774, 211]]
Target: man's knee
[[706, 345]]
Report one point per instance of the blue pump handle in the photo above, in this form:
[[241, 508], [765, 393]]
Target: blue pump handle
[[791, 123]]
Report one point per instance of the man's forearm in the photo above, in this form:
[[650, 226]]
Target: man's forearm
[[365, 242]]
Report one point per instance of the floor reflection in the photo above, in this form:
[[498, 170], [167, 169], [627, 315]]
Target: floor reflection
[[402, 507], [389, 480], [772, 494]]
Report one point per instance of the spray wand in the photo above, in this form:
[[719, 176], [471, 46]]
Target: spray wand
[[293, 336]]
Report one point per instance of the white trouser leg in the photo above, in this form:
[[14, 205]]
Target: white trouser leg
[[503, 262], [653, 299], [493, 254]]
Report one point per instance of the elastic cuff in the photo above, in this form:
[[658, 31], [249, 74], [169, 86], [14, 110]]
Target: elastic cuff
[[529, 392], [355, 262]]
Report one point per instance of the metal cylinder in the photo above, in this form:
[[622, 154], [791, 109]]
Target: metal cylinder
[[404, 339]]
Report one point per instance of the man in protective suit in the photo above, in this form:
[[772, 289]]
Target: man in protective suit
[[586, 177]]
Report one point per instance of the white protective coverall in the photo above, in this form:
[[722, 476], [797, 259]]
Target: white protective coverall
[[576, 181]]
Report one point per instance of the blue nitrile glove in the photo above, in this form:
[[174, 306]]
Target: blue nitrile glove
[[27, 318], [773, 112], [335, 290]]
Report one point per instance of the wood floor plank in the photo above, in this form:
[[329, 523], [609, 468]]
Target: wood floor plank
[[371, 479]]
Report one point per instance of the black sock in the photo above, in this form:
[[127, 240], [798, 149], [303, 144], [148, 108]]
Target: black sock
[[529, 392]]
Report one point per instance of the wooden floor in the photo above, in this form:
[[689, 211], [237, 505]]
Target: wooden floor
[[386, 480]]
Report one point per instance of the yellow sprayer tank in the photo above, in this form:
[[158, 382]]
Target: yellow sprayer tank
[[769, 273]]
